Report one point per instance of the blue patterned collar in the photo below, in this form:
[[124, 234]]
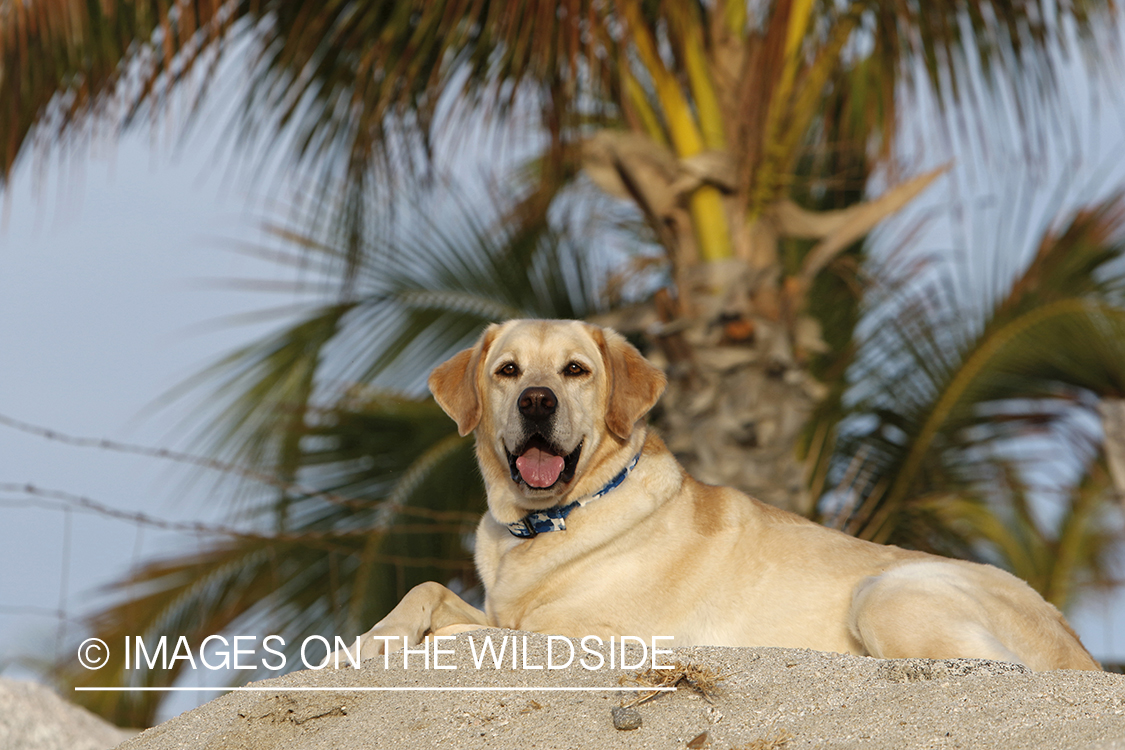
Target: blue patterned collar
[[554, 519]]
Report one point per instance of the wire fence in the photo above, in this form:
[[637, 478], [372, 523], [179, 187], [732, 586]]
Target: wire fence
[[76, 507]]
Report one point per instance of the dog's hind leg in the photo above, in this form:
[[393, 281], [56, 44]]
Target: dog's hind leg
[[926, 610], [941, 609]]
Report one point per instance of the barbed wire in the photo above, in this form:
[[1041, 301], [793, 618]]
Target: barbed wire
[[326, 540], [37, 611], [69, 500], [225, 467], [336, 540]]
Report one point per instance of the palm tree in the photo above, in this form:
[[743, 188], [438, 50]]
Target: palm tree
[[730, 145]]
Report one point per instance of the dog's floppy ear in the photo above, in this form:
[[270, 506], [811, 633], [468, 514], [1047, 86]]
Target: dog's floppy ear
[[454, 384], [635, 384]]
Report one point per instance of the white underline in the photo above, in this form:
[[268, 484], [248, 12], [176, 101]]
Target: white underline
[[366, 689]]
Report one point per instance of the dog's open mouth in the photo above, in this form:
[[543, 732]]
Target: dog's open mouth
[[540, 465]]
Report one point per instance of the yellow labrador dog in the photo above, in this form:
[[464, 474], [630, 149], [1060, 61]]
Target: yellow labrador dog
[[593, 528]]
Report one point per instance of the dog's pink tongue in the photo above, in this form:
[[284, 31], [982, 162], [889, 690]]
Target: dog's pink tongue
[[539, 468]]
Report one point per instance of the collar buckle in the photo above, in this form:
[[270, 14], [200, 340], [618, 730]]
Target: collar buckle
[[523, 528]]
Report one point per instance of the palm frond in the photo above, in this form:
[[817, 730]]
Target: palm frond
[[998, 61], [343, 85], [430, 285], [263, 391], [70, 65], [939, 396], [1059, 557]]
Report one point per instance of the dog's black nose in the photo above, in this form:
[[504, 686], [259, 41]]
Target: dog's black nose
[[537, 403]]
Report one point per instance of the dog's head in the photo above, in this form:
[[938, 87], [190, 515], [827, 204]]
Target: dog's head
[[551, 403]]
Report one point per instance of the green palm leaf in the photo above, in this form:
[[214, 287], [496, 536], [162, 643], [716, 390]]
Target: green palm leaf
[[938, 401]]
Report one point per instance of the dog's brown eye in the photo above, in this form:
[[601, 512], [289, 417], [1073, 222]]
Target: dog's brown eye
[[509, 370], [573, 369]]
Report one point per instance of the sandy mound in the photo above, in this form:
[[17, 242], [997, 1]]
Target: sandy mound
[[33, 717], [768, 699]]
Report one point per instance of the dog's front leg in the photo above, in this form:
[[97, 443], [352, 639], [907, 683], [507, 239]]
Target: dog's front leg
[[428, 608]]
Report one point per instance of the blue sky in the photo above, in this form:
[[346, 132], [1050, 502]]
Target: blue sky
[[104, 285]]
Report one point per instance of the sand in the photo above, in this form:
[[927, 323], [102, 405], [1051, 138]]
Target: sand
[[768, 699], [33, 717]]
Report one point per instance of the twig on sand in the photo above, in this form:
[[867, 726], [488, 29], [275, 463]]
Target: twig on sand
[[703, 680]]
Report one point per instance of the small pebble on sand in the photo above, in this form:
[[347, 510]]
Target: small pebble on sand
[[626, 718]]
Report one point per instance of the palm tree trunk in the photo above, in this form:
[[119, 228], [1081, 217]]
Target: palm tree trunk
[[738, 396], [735, 420]]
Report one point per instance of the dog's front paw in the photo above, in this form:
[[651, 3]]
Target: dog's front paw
[[379, 641], [386, 640]]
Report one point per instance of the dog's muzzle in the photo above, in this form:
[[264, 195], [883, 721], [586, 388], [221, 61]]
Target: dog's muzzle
[[540, 465]]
